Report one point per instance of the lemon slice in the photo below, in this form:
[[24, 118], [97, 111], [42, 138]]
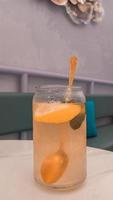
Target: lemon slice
[[56, 112]]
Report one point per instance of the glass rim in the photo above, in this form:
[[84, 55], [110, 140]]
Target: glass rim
[[55, 87]]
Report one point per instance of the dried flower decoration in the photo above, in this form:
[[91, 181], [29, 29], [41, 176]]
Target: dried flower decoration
[[83, 11]]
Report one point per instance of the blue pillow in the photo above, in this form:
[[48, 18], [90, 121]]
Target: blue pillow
[[90, 119]]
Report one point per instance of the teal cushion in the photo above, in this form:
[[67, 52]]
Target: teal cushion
[[91, 119]]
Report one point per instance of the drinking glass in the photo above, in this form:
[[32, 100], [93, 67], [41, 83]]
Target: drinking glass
[[59, 137]]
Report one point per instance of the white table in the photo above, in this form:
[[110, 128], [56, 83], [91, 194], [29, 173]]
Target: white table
[[17, 183]]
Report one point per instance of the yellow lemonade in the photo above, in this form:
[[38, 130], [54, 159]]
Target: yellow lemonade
[[59, 135]]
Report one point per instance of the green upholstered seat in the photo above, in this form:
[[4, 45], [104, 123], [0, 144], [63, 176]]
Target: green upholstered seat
[[104, 108], [104, 140], [15, 112], [103, 104]]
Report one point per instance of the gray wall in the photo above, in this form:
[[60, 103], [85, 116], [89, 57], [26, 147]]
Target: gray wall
[[38, 34]]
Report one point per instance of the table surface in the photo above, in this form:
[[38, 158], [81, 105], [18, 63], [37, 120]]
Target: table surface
[[17, 182]]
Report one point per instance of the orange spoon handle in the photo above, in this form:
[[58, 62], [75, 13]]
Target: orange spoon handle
[[73, 65]]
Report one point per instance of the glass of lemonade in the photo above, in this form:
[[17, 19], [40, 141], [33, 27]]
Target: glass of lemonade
[[59, 137]]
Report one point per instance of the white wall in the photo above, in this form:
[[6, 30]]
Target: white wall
[[35, 33], [9, 83], [38, 34]]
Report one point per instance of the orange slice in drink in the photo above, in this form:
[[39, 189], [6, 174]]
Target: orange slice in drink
[[56, 112]]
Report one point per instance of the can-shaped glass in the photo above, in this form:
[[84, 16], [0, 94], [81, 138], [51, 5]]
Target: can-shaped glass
[[59, 137]]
